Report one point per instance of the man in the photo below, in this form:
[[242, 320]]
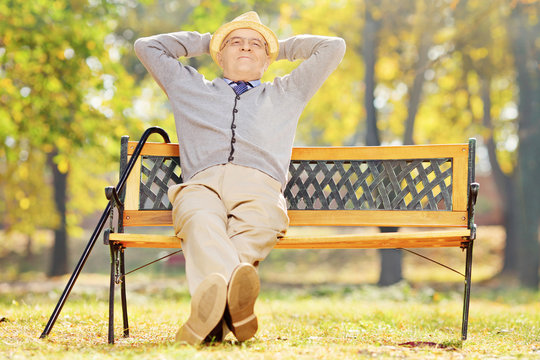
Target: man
[[235, 136]]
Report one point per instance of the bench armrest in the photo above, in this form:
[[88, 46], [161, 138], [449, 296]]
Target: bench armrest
[[473, 194]]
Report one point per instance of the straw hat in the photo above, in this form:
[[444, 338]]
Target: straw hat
[[249, 20]]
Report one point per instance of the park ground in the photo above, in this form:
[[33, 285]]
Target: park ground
[[313, 305]]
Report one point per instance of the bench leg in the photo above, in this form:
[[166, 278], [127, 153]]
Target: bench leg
[[467, 294], [123, 293], [111, 294]]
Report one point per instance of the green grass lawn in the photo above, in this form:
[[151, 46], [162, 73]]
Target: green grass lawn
[[296, 322], [314, 305]]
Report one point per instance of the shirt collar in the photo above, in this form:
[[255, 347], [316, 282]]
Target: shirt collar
[[253, 83]]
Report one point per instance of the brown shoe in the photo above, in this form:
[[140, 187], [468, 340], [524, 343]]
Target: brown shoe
[[241, 296], [207, 309], [217, 334]]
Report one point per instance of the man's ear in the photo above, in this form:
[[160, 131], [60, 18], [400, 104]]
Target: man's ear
[[219, 59], [267, 64]]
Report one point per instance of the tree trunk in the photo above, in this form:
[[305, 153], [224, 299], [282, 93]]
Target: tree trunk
[[511, 226], [506, 187], [391, 263], [523, 38], [28, 252], [59, 259], [416, 91], [390, 258], [369, 53]]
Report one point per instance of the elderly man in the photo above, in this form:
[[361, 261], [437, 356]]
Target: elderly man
[[235, 136]]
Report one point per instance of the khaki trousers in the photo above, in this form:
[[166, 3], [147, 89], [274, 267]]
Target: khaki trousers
[[225, 215]]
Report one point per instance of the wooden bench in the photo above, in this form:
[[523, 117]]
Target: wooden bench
[[429, 186]]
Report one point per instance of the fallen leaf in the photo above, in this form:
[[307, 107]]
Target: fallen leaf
[[413, 344]]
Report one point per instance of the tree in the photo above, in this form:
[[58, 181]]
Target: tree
[[391, 263], [524, 28], [497, 50], [64, 94], [22, 194], [495, 67], [454, 53], [390, 63], [470, 73]]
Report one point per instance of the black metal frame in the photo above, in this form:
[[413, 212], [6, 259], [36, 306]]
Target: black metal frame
[[117, 276], [468, 246], [99, 227]]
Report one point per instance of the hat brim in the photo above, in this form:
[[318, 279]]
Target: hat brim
[[221, 33]]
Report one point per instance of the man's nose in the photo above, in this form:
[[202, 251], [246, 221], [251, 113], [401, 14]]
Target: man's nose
[[245, 46]]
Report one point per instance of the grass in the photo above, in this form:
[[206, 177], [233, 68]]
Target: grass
[[313, 305], [316, 322]]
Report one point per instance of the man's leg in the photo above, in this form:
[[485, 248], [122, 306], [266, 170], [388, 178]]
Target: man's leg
[[257, 213], [199, 219], [257, 217]]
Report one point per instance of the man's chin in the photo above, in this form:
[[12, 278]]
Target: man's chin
[[246, 75]]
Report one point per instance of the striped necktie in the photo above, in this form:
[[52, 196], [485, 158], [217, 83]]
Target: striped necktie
[[241, 87]]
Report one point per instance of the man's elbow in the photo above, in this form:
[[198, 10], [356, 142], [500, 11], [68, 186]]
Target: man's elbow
[[335, 49], [140, 45], [340, 46]]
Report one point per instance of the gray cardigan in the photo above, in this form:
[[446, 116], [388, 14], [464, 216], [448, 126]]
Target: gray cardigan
[[263, 119]]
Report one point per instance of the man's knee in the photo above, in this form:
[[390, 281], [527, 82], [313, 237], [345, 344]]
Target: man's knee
[[188, 220], [202, 217]]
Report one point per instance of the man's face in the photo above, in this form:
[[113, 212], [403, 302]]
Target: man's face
[[243, 55]]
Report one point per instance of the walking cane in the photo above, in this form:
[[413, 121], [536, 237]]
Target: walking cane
[[118, 189]]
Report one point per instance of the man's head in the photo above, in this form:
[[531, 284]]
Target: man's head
[[243, 55], [244, 47]]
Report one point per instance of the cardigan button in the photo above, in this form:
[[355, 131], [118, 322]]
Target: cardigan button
[[237, 97], [235, 110]]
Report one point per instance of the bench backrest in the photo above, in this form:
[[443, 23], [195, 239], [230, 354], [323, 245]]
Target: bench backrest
[[418, 185]]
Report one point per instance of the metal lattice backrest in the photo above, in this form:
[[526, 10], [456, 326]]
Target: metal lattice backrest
[[370, 185], [158, 173], [420, 184]]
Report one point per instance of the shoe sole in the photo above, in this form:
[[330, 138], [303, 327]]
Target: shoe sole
[[242, 293], [207, 308]]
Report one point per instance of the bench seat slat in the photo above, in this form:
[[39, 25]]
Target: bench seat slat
[[422, 239], [329, 218]]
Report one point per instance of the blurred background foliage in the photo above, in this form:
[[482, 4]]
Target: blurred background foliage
[[415, 71]]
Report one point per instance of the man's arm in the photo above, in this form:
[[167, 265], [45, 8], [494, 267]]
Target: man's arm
[[159, 53], [321, 55]]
